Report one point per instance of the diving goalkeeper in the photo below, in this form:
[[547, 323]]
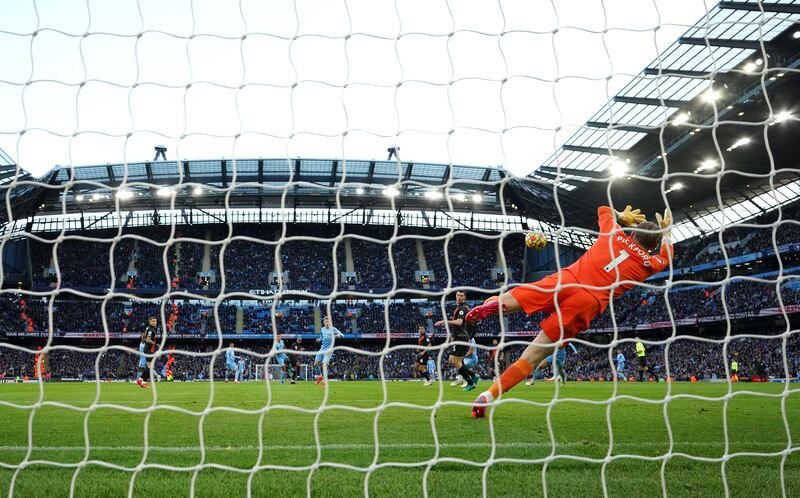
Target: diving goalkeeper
[[615, 263]]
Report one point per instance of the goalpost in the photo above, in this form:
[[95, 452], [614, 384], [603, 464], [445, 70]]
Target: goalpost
[[440, 85], [274, 372]]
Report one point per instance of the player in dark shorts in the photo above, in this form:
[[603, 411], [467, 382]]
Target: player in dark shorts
[[501, 359], [147, 344], [423, 354], [460, 331], [294, 359]]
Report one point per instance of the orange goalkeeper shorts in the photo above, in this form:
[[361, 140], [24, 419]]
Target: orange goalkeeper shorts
[[576, 305]]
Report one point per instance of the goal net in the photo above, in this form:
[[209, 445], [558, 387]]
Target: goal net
[[333, 185], [273, 372]]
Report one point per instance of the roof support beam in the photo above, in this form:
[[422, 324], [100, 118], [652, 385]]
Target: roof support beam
[[454, 220], [407, 176], [260, 180], [750, 200], [767, 7], [334, 171], [446, 175], [683, 73], [371, 172], [224, 171], [688, 217], [221, 220], [568, 181], [594, 150], [572, 172], [650, 101], [720, 42], [614, 126], [97, 220], [763, 211], [149, 169]]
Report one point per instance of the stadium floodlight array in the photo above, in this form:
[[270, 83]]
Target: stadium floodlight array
[[282, 95]]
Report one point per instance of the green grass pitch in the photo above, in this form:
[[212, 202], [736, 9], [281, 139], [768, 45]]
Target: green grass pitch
[[383, 439]]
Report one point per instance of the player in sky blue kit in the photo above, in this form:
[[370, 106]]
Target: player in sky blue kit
[[620, 365], [328, 334], [558, 369], [432, 368], [230, 364], [240, 370], [280, 358], [471, 361]]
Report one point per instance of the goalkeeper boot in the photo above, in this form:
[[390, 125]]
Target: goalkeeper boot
[[474, 384], [489, 308], [457, 382], [531, 382], [479, 405]]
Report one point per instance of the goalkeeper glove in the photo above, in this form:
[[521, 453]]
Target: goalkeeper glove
[[630, 217], [665, 223]]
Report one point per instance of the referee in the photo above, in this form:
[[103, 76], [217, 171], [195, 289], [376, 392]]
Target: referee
[[641, 358]]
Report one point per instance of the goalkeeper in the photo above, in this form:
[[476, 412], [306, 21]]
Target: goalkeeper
[[615, 263]]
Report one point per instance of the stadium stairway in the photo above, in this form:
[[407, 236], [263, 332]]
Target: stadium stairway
[[206, 253], [349, 265], [423, 263]]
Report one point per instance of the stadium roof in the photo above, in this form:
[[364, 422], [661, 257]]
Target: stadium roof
[[693, 130], [702, 104]]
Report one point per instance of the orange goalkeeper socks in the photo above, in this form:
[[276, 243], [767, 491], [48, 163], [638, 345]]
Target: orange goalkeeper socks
[[515, 374]]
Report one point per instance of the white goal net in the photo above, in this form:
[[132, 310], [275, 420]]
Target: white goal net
[[245, 172]]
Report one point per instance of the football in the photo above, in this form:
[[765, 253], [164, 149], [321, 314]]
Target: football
[[535, 240]]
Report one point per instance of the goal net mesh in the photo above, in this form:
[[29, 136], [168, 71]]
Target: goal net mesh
[[439, 84]]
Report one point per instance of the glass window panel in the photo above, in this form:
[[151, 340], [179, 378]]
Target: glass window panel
[[355, 168], [245, 166], [91, 173], [202, 168], [277, 166], [389, 170], [426, 172], [670, 87], [315, 167], [465, 172]]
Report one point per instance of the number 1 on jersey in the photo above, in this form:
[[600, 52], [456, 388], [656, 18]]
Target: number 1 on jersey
[[623, 255]]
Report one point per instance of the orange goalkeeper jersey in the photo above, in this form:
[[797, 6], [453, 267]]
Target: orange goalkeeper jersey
[[615, 261]]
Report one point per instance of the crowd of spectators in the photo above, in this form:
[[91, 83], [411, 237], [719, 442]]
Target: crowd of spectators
[[642, 305], [310, 266], [736, 299], [86, 316], [406, 264], [687, 357], [248, 264], [740, 240]]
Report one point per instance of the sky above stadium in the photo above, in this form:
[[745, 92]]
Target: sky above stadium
[[317, 78]]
